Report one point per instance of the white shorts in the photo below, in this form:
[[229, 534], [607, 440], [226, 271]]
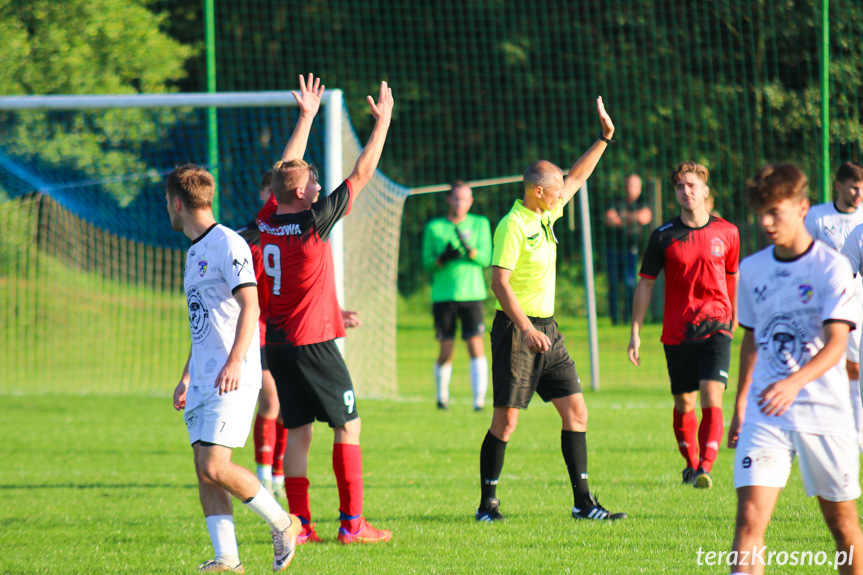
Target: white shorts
[[829, 464], [222, 420]]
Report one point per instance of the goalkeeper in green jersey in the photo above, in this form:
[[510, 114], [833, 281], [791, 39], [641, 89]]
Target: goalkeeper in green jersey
[[455, 250]]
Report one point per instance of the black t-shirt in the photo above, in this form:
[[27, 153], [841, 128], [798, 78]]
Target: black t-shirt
[[628, 235]]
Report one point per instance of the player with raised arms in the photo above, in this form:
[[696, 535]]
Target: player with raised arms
[[222, 377], [700, 254], [269, 433], [305, 319], [797, 306], [527, 351]]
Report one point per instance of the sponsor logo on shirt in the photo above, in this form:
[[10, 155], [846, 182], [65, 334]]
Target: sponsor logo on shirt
[[717, 248], [784, 343], [242, 265], [805, 292], [760, 293], [199, 317], [202, 268], [285, 230]]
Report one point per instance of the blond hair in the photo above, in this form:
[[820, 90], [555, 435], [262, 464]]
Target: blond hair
[[290, 175], [689, 167]]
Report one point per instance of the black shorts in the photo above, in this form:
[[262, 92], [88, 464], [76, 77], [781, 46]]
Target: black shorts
[[264, 365], [313, 383], [469, 312], [518, 372], [691, 363]]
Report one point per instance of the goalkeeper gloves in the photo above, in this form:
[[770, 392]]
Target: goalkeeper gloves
[[449, 254]]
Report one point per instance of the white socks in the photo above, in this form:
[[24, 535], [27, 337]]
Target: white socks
[[270, 511], [224, 538], [442, 375], [479, 380]]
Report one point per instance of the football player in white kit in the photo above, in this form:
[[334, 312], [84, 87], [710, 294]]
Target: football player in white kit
[[797, 305], [222, 377], [832, 223]]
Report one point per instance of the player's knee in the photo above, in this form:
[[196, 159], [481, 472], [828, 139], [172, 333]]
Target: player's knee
[[842, 525], [210, 469], [750, 522], [300, 436], [579, 418]]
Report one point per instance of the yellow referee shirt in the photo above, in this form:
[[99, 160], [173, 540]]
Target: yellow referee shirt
[[524, 243]]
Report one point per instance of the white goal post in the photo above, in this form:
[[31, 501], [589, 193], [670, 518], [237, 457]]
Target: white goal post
[[373, 370]]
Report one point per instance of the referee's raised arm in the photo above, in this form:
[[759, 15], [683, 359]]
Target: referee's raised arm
[[583, 167]]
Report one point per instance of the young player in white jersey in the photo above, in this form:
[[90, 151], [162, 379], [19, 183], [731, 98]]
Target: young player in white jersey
[[832, 223], [222, 377], [797, 305]]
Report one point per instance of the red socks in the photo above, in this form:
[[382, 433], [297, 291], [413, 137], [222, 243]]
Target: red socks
[[348, 467], [297, 492], [280, 435], [710, 434], [685, 429], [264, 436]]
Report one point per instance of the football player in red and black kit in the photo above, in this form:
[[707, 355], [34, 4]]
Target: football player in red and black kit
[[270, 434], [700, 254], [305, 319]]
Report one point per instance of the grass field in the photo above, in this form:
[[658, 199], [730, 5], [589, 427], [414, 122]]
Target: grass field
[[105, 484]]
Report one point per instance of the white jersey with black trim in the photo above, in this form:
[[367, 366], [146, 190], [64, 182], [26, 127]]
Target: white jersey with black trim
[[786, 305], [217, 264], [824, 222]]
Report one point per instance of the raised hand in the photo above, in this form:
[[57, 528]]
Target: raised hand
[[383, 109], [309, 96], [604, 119]]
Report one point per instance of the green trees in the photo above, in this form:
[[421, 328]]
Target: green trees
[[85, 47]]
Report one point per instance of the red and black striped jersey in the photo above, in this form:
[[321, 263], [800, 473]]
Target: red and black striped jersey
[[697, 262], [298, 262]]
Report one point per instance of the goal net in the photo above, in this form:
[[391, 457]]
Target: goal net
[[91, 297]]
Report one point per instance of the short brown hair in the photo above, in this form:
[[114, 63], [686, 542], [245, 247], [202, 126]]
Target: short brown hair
[[689, 167], [194, 185], [266, 180], [849, 171], [541, 173], [289, 176], [774, 183]]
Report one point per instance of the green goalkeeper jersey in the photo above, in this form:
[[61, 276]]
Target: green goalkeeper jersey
[[461, 278]]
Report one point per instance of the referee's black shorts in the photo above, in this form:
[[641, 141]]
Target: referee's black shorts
[[518, 372], [313, 383], [691, 363]]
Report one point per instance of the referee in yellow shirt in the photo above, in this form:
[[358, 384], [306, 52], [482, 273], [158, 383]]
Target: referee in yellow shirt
[[527, 349]]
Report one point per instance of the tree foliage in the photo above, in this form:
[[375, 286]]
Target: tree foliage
[[85, 47]]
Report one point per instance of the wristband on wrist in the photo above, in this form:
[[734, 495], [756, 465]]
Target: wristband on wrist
[[599, 136], [527, 331]]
